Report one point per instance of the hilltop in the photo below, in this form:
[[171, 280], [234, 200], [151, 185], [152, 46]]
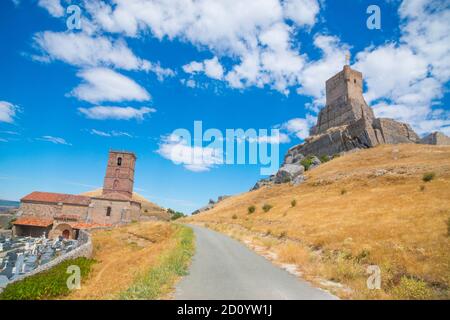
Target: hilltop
[[149, 209], [387, 206]]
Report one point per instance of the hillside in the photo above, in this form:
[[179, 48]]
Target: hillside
[[149, 209], [370, 207]]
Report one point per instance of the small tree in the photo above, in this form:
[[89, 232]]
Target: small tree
[[267, 207], [293, 203], [251, 209], [427, 177]]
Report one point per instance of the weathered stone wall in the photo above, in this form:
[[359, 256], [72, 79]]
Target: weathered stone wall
[[436, 138], [121, 211], [395, 132], [40, 210], [79, 211]]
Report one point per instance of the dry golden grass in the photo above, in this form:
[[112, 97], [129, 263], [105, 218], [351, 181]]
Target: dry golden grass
[[122, 255], [385, 217], [148, 209]]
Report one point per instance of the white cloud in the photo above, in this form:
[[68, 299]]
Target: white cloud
[[315, 73], [8, 111], [405, 79], [55, 140], [116, 113], [108, 134], [53, 7], [299, 126], [254, 33], [101, 84], [83, 50], [193, 158], [302, 12], [210, 67], [273, 139]]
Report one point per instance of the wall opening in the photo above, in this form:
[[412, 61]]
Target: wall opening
[[119, 161], [108, 212]]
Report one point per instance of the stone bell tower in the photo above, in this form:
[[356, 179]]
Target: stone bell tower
[[119, 178]]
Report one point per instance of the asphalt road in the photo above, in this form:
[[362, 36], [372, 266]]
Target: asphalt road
[[223, 268]]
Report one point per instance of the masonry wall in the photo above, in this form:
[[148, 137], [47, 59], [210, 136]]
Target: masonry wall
[[40, 210], [120, 211]]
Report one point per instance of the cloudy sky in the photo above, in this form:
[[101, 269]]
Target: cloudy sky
[[136, 70]]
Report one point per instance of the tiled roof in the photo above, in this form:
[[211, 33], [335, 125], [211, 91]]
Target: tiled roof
[[114, 196], [57, 198], [32, 221]]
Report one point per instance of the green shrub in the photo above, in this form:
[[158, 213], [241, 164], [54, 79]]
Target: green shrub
[[427, 177], [412, 289], [48, 284], [324, 158], [267, 207], [293, 203], [251, 209], [176, 214], [307, 162], [234, 217]]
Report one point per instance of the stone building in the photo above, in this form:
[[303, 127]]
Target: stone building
[[347, 122], [56, 214]]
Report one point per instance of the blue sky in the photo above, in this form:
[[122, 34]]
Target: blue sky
[[137, 70]]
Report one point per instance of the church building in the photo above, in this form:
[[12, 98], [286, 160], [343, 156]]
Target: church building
[[56, 214]]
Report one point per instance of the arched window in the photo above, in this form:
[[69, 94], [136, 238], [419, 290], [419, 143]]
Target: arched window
[[119, 161], [116, 184], [117, 172], [108, 211]]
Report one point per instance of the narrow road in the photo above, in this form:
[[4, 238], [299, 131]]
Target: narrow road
[[223, 268]]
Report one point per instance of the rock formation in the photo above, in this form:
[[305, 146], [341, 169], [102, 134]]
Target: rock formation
[[346, 123], [436, 138]]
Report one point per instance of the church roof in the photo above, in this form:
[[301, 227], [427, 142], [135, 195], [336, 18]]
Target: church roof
[[32, 221], [57, 198]]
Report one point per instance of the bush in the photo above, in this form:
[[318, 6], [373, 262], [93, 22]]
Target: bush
[[412, 289], [422, 188], [293, 203], [251, 209], [176, 214], [282, 235], [48, 284], [234, 217], [427, 177], [307, 162], [343, 191], [267, 207], [324, 158]]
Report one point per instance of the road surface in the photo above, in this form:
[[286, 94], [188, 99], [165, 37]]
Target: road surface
[[223, 268]]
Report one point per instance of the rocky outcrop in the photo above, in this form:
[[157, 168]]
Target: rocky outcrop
[[210, 205], [346, 123], [436, 138]]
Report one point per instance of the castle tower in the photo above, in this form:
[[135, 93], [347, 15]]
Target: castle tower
[[345, 102], [119, 178]]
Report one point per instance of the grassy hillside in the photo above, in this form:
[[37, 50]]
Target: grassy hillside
[[140, 260], [148, 208], [388, 206]]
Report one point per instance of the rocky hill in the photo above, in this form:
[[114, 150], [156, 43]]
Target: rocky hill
[[387, 206]]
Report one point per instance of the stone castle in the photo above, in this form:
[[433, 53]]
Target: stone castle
[[56, 214], [345, 123]]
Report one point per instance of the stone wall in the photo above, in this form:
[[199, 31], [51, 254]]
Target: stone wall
[[121, 211], [40, 210]]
